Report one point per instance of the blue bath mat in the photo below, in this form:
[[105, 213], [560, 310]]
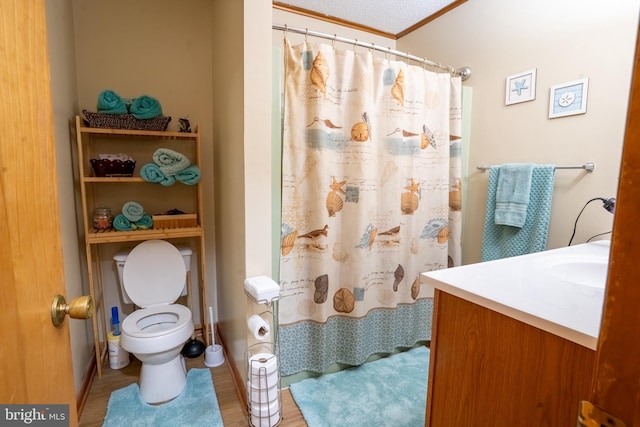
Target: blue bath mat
[[388, 392], [195, 405]]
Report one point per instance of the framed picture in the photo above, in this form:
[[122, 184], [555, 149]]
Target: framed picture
[[521, 87], [568, 99]]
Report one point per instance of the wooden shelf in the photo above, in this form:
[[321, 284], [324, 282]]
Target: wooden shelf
[[139, 133], [113, 179], [113, 236], [90, 143]]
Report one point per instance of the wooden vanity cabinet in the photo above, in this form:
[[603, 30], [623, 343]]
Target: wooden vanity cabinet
[[488, 369]]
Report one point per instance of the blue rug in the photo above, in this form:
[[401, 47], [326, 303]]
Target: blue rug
[[196, 405], [388, 392]]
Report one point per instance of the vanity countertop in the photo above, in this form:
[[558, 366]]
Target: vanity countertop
[[560, 291]]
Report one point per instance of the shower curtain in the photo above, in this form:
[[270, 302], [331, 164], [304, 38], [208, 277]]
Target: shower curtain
[[371, 198]]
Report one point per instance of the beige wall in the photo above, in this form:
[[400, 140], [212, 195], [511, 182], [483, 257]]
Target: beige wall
[[242, 129], [564, 40]]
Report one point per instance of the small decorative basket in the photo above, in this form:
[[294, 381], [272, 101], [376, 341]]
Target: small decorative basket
[[125, 121], [175, 221], [112, 168]]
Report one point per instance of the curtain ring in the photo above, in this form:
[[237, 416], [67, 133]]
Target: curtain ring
[[306, 33], [372, 48], [355, 42], [286, 30]]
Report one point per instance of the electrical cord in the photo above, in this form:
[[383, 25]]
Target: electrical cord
[[597, 235], [608, 204]]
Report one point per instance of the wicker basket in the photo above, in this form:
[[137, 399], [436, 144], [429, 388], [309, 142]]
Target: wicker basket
[[175, 221], [125, 121], [112, 168]]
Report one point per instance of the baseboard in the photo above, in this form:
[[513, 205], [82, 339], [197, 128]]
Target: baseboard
[[241, 389], [82, 394]]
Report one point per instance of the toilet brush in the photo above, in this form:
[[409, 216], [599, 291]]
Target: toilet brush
[[213, 332], [214, 356]]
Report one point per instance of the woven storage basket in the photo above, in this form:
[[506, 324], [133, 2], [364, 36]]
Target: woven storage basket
[[174, 221], [125, 121], [113, 168]]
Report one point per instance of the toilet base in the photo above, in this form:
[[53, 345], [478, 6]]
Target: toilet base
[[163, 382]]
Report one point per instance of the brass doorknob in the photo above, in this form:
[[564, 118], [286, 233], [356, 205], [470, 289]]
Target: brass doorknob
[[79, 308]]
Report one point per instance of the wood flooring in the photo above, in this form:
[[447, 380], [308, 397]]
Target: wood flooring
[[232, 411]]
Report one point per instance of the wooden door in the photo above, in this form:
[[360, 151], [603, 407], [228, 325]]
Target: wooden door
[[35, 356], [616, 382]]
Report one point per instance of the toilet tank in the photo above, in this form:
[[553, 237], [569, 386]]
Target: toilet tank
[[121, 256]]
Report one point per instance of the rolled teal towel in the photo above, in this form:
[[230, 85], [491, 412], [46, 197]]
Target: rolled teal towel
[[145, 222], [110, 102], [152, 173], [145, 107], [121, 223], [133, 211], [189, 176], [170, 162]]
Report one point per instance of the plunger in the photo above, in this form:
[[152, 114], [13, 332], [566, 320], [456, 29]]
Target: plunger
[[193, 348]]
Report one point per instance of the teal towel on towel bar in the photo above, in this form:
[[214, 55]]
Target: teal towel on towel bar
[[502, 241], [110, 102], [512, 194], [145, 107]]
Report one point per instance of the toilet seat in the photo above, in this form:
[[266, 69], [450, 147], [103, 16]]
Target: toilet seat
[[154, 274], [157, 321]]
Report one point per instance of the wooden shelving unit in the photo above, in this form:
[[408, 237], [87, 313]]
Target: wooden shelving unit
[[115, 191]]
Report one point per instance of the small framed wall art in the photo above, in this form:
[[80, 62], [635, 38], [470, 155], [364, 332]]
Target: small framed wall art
[[568, 99], [521, 87]]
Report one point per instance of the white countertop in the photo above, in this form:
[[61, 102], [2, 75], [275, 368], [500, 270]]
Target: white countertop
[[560, 291]]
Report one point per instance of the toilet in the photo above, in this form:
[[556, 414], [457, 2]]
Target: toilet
[[153, 276]]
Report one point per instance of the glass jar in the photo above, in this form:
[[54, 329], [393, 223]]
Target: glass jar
[[102, 218]]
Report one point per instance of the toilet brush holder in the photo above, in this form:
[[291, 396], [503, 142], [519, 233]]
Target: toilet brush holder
[[213, 356]]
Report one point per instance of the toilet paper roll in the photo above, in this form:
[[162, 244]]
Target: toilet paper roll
[[258, 327]]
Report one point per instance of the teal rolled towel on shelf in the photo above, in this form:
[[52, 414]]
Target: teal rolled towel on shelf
[[121, 223], [133, 211], [110, 102], [189, 176], [152, 173], [145, 107], [170, 162], [144, 223]]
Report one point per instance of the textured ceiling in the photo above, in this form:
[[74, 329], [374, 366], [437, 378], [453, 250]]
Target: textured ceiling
[[393, 17]]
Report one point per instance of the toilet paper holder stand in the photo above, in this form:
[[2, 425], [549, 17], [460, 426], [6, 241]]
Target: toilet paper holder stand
[[263, 388], [264, 406]]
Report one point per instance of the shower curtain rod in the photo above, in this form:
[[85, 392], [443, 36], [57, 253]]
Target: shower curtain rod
[[463, 72]]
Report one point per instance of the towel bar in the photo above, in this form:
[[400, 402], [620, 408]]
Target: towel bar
[[589, 167]]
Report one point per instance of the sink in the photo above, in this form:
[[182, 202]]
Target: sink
[[581, 270]]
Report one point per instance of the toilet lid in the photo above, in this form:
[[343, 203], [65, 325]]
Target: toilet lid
[[154, 273]]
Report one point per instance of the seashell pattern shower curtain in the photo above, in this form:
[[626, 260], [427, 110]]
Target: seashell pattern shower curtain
[[370, 199]]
